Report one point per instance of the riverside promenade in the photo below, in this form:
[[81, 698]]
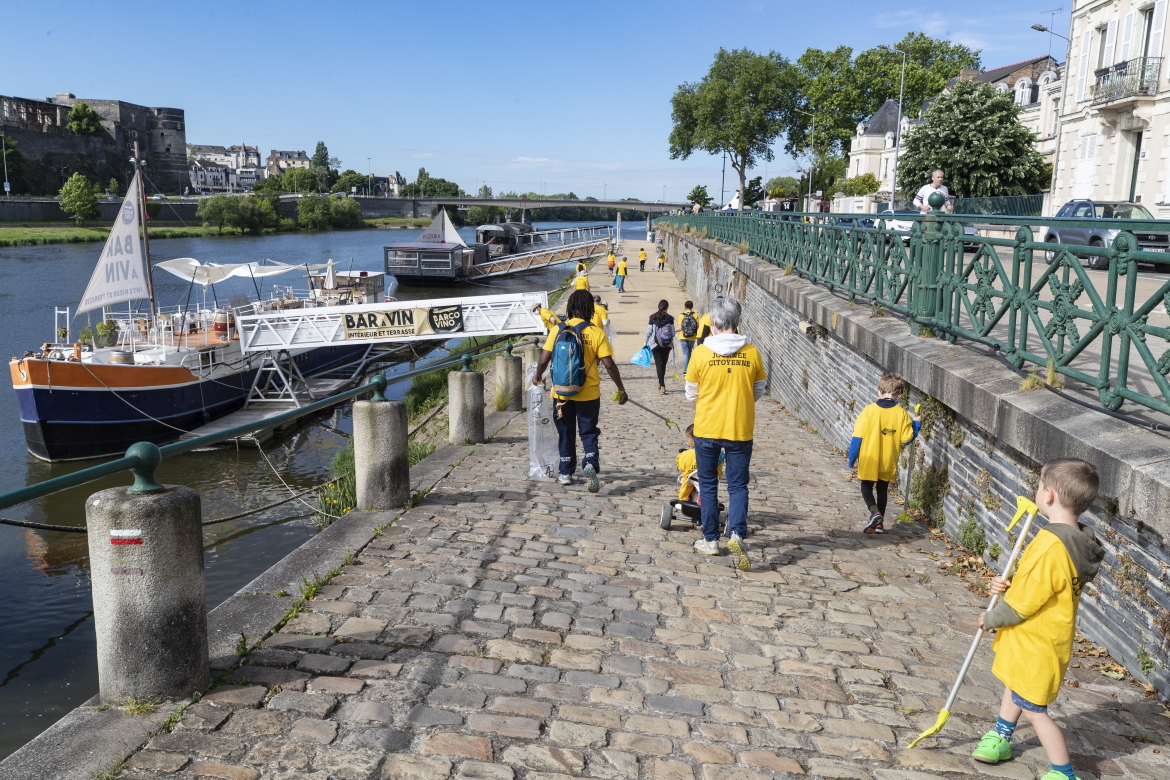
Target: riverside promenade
[[508, 628]]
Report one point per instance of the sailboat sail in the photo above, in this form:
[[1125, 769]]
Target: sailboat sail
[[441, 231], [120, 275]]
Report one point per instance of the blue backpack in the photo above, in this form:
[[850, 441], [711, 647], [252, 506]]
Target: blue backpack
[[568, 360]]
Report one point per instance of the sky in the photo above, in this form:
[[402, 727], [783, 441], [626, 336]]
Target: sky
[[545, 97]]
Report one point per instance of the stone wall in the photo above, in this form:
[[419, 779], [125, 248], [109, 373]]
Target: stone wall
[[988, 435]]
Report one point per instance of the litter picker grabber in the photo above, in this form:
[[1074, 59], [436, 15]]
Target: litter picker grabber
[[669, 422], [1024, 507], [905, 516]]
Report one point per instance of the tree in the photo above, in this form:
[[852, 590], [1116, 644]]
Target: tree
[[112, 187], [754, 193], [427, 186], [345, 213], [299, 180], [320, 158], [15, 165], [83, 120], [77, 198], [486, 192], [782, 187], [313, 213], [699, 195], [737, 108], [351, 178], [839, 91], [219, 210], [973, 133], [864, 184], [484, 215]]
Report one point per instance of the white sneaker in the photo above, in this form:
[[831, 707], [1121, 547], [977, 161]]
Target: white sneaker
[[565, 479], [707, 548], [736, 546], [591, 476]]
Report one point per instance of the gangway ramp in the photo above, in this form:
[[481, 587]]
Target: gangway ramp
[[401, 321], [527, 261]]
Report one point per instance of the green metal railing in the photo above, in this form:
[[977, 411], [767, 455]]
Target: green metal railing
[[1032, 300], [143, 458]]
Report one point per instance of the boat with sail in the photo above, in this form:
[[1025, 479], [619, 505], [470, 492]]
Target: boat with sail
[[155, 374]]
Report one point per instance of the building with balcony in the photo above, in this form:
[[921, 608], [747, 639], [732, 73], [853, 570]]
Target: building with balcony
[[1116, 114]]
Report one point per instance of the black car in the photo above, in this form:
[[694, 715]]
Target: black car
[[1109, 213]]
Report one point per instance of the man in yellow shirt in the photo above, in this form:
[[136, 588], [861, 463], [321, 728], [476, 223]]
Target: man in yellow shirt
[[641, 259], [579, 413], [547, 316], [600, 313], [622, 271], [725, 378], [1036, 618]]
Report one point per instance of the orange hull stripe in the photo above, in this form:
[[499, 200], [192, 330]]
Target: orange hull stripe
[[65, 374]]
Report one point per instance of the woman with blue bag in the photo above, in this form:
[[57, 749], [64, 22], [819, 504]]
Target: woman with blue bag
[[660, 339]]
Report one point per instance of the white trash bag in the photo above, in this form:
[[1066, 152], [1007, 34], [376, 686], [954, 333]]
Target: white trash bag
[[543, 453]]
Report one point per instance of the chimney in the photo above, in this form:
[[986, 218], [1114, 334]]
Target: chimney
[[966, 74]]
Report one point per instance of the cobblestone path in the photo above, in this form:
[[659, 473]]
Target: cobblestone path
[[508, 627]]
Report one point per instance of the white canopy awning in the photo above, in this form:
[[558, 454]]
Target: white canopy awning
[[192, 270]]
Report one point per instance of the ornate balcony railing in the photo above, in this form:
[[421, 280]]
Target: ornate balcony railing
[[1035, 302], [1127, 79]]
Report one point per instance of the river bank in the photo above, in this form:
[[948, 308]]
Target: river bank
[[38, 234]]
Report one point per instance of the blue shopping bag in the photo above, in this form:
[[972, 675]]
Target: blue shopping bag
[[642, 357]]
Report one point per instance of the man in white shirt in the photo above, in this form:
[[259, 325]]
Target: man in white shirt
[[921, 200]]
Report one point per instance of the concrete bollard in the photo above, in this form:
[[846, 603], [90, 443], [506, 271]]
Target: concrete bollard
[[146, 567], [465, 407], [510, 382], [381, 455]]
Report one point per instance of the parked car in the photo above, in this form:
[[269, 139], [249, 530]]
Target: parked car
[[158, 197], [901, 225], [851, 222], [1104, 234]]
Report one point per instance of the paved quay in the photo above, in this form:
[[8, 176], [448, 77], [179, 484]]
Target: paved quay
[[508, 628]]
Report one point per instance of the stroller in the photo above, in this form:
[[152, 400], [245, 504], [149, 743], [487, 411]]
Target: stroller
[[688, 489]]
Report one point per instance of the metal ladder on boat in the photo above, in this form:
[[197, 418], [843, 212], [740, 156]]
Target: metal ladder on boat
[[276, 384]]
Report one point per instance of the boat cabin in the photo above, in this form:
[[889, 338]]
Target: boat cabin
[[507, 238], [432, 260], [345, 287]]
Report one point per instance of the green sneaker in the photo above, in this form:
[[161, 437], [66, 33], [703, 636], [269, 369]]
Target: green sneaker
[[993, 748], [1054, 775]]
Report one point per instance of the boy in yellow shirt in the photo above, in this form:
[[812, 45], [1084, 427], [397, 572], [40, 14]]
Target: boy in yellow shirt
[[1036, 619], [641, 259], [882, 429]]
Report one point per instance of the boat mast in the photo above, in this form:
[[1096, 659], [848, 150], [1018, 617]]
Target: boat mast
[[142, 218]]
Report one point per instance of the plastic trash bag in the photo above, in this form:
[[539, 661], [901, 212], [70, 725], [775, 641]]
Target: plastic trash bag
[[544, 455], [610, 334], [643, 358]]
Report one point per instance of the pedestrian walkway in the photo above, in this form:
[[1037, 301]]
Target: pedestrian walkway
[[509, 628]]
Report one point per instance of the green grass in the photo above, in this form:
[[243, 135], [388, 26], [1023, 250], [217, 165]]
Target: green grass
[[400, 222]]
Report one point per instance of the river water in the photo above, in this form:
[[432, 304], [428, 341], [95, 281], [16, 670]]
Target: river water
[[47, 656]]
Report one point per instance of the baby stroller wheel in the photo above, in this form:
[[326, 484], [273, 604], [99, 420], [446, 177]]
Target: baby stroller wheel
[[667, 516]]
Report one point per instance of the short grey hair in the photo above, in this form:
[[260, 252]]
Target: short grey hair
[[725, 313]]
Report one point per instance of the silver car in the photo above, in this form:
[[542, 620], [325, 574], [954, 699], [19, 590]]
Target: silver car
[[1104, 234], [894, 223]]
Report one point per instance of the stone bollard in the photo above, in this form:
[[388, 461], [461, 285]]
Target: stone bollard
[[465, 405], [146, 569], [380, 455], [510, 382]]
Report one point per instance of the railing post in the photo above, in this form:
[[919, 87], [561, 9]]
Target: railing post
[[510, 381], [146, 568], [465, 406], [929, 260], [381, 454]]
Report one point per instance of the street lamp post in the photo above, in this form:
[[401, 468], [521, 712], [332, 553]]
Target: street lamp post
[[812, 143], [4, 149], [1061, 109], [898, 129]]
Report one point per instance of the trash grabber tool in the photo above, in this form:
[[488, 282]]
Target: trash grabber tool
[[905, 516], [1024, 507], [669, 422]]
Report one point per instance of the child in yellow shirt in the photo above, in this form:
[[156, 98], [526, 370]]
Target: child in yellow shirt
[[1036, 619], [882, 429], [661, 261]]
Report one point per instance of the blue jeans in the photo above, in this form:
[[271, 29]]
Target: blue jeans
[[739, 456], [687, 348], [569, 417], [621, 283]]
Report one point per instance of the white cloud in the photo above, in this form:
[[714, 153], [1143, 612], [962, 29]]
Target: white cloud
[[422, 155], [530, 159]]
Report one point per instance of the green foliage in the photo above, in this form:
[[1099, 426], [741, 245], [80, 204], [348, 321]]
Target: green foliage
[[352, 178], [299, 180], [782, 187], [699, 195], [14, 159], [218, 210], [755, 192], [345, 213], [864, 184], [78, 198], [320, 158], [484, 215], [253, 215], [840, 90], [737, 108], [83, 120], [418, 450], [929, 485], [338, 496], [426, 186], [1145, 663], [971, 536], [973, 133], [994, 551], [313, 213], [112, 187]]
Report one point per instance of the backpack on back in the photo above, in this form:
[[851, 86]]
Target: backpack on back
[[664, 334], [690, 325], [568, 360]]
